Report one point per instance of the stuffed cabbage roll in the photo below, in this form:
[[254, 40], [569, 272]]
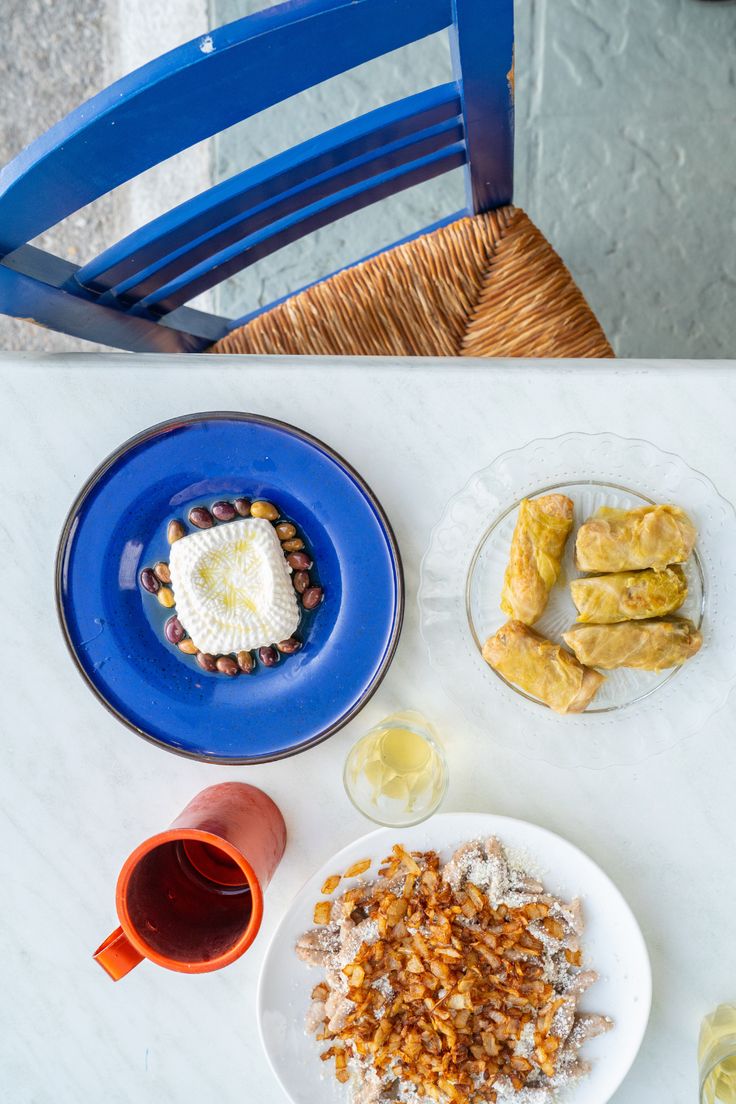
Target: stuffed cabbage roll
[[631, 540], [537, 547], [541, 667], [647, 645], [629, 595]]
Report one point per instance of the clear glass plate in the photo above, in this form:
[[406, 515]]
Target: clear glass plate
[[636, 713]]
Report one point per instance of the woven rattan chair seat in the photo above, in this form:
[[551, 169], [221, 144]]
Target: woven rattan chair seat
[[486, 286]]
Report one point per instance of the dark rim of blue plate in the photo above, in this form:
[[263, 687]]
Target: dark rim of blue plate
[[308, 438]]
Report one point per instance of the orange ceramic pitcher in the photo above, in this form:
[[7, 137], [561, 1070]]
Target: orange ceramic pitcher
[[191, 898]]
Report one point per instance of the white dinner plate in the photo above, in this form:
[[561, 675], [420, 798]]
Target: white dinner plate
[[612, 944]]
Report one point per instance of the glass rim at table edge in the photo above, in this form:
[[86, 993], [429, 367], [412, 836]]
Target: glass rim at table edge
[[437, 747], [68, 532], [502, 517], [723, 1054]]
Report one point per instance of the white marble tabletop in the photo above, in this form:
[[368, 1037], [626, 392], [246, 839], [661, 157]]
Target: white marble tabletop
[[79, 790]]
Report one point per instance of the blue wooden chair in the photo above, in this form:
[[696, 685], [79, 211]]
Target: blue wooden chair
[[481, 282]]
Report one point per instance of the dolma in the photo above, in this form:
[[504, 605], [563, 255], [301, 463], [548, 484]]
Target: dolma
[[631, 540], [541, 667], [537, 547], [646, 645], [628, 595]]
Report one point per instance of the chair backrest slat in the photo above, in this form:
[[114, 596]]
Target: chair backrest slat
[[290, 229], [404, 152], [235, 198], [160, 109]]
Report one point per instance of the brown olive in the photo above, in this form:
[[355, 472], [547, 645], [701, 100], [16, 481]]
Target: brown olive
[[292, 545], [300, 581], [206, 661], [187, 646], [246, 662], [201, 517], [162, 572], [268, 656], [149, 581], [242, 505], [285, 530], [288, 647], [312, 597], [226, 665], [224, 511], [299, 561]]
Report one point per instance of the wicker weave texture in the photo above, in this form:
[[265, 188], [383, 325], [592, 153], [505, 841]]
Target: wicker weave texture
[[487, 286]]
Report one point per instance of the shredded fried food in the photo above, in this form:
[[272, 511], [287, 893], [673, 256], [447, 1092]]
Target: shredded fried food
[[331, 884], [451, 992], [357, 868]]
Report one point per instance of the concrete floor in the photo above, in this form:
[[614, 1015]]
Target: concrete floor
[[41, 37], [54, 54], [626, 150]]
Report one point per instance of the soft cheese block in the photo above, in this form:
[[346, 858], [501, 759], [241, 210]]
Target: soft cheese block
[[233, 588]]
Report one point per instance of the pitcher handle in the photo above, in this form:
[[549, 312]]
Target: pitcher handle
[[117, 956]]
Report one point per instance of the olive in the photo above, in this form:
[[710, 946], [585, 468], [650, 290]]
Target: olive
[[265, 510], [312, 597], [201, 517], [226, 665], [149, 581], [166, 597], [162, 572], [175, 531], [224, 511], [268, 656], [285, 530], [300, 581], [288, 647], [242, 505], [246, 662], [174, 630], [206, 661], [299, 561], [292, 545]]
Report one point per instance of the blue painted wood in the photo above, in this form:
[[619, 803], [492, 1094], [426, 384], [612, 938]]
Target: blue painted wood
[[275, 237], [122, 263], [206, 86], [482, 43], [384, 162], [24, 295], [196, 91], [37, 264]]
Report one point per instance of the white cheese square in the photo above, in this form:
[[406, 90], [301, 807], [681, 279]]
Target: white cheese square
[[233, 587]]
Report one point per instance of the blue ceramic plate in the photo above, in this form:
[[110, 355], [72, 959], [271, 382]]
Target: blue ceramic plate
[[114, 629]]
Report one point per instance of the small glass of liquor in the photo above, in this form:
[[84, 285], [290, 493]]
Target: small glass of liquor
[[396, 774], [717, 1056]]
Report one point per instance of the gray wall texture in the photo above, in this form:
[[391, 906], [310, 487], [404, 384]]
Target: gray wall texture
[[625, 159]]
